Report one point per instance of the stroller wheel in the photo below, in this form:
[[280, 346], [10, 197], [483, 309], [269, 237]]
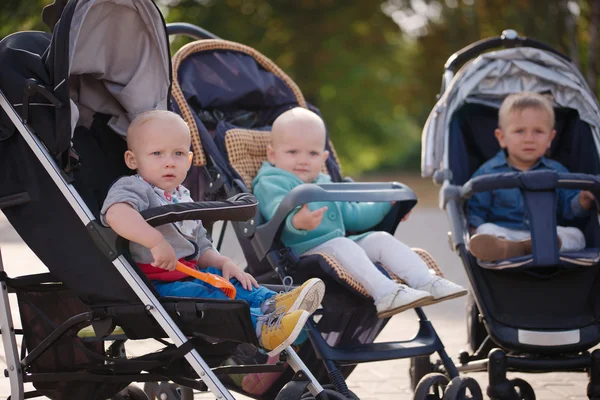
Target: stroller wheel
[[463, 388], [331, 394], [524, 389], [167, 391], [419, 367], [431, 387], [131, 392]]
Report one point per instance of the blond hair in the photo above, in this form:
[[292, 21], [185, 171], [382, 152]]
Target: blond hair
[[148, 116], [522, 101]]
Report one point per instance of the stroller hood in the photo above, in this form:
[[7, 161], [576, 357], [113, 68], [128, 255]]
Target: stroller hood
[[494, 75], [105, 56]]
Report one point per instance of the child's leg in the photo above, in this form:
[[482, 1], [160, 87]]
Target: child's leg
[[572, 238], [493, 242], [400, 259], [501, 232], [384, 248], [390, 297], [254, 297], [356, 263]]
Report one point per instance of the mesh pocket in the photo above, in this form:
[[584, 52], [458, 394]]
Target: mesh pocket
[[43, 308]]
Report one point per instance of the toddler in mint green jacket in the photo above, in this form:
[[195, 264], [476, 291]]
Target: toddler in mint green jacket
[[296, 154]]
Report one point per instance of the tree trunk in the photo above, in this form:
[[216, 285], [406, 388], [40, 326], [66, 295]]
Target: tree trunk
[[592, 64]]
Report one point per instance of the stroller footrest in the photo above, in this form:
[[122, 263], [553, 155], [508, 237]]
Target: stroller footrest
[[88, 333]]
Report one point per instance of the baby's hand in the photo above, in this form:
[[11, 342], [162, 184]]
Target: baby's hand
[[164, 256], [230, 270], [586, 199], [306, 219]]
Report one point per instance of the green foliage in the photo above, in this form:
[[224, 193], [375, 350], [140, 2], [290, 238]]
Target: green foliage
[[346, 58], [373, 77]]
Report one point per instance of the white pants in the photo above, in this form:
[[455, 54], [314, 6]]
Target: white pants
[[572, 238], [358, 258]]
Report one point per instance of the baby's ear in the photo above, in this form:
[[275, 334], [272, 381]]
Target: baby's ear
[[500, 137], [130, 160], [270, 154], [190, 159], [325, 155]]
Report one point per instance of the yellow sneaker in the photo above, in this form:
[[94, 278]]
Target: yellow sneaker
[[280, 329], [307, 297]]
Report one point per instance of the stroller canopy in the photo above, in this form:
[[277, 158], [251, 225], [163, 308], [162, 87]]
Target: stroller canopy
[[105, 56], [118, 60], [491, 77]]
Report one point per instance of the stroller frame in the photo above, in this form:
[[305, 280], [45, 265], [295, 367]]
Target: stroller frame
[[489, 356], [262, 238], [152, 304]]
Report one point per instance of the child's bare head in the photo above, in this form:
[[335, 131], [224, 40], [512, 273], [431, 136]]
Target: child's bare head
[[525, 128], [158, 145], [298, 143]]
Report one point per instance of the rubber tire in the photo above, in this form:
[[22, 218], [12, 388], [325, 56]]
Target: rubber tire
[[523, 388], [476, 331], [458, 384], [419, 367], [331, 395], [131, 392], [423, 388]]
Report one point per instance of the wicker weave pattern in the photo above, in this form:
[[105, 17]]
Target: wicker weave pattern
[[247, 150], [350, 280], [218, 44]]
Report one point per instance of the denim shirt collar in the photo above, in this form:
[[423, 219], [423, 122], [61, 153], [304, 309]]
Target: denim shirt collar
[[500, 160]]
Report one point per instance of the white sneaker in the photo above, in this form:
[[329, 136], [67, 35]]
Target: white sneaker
[[400, 300], [442, 289]]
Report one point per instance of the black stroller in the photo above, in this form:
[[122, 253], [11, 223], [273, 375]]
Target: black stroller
[[230, 94], [66, 100], [539, 312]]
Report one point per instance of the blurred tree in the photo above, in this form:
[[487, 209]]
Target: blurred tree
[[21, 15], [345, 56], [372, 68]]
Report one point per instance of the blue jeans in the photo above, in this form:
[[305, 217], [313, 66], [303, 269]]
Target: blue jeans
[[203, 290]]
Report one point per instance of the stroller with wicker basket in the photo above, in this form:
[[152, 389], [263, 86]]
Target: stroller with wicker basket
[[229, 94]]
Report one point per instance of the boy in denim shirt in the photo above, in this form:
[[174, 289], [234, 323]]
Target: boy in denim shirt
[[525, 132]]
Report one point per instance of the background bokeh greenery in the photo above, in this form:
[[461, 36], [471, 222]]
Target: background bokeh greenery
[[372, 67]]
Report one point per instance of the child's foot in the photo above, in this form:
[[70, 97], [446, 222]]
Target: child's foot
[[442, 289], [400, 300], [279, 330], [492, 248], [307, 297]]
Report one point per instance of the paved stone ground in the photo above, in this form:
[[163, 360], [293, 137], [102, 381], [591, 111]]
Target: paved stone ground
[[383, 380]]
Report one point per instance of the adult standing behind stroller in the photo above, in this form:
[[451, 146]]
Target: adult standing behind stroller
[[296, 154], [158, 148], [525, 132]]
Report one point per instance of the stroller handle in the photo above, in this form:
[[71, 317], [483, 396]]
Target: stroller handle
[[189, 30], [532, 181], [240, 207], [509, 38], [265, 234]]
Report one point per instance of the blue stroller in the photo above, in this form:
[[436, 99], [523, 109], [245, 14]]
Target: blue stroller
[[516, 321], [229, 94]]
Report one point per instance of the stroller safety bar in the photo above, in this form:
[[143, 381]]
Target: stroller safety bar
[[240, 207], [531, 181], [374, 192]]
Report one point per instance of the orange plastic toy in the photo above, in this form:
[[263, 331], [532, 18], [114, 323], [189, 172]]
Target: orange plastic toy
[[215, 280]]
